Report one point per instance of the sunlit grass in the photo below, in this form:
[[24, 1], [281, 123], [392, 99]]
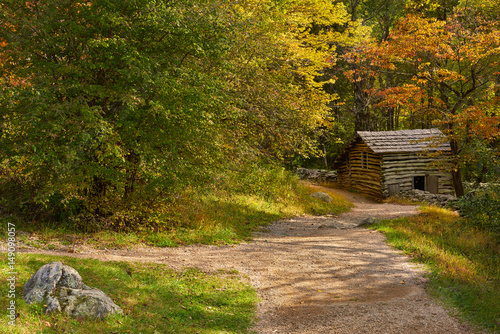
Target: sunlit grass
[[154, 299], [464, 260], [216, 218]]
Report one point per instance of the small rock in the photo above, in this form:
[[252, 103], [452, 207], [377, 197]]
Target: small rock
[[322, 196], [61, 288], [367, 222], [318, 175], [424, 196]]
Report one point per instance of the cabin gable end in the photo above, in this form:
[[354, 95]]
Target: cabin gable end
[[384, 163]]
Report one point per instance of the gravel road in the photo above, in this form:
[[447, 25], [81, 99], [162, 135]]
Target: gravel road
[[318, 274]]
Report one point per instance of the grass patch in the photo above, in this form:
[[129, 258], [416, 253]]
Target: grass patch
[[402, 201], [217, 217], [464, 261], [154, 299]]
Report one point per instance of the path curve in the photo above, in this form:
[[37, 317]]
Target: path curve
[[318, 274]]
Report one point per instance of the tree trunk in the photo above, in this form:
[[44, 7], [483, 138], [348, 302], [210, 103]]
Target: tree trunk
[[497, 86], [456, 175], [133, 160], [325, 160], [389, 79], [390, 119], [361, 110], [482, 173]]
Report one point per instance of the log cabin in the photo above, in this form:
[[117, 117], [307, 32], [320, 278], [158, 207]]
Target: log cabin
[[384, 163]]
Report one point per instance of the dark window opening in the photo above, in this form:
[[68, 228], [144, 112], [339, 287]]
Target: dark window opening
[[419, 182]]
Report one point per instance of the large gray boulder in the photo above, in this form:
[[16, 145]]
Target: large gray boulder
[[322, 196], [61, 288]]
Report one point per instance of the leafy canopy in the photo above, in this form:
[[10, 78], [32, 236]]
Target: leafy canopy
[[115, 105]]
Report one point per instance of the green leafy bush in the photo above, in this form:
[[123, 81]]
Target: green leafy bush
[[482, 208], [129, 103]]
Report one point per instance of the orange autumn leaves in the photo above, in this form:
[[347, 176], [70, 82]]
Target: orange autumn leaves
[[446, 71], [8, 78]]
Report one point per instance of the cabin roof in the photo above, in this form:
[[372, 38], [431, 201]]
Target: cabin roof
[[405, 140], [401, 141]]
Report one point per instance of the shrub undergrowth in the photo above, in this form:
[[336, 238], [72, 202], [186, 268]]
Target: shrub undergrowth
[[481, 207], [226, 212]]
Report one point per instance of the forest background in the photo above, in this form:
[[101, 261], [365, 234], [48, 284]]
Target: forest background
[[114, 113]]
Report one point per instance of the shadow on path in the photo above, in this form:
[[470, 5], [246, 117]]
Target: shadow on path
[[319, 274]]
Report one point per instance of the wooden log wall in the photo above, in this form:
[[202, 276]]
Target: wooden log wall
[[361, 171], [401, 168]]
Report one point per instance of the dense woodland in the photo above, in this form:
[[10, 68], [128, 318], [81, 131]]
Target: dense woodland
[[112, 108]]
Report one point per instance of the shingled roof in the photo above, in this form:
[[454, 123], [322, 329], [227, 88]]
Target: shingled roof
[[402, 141], [405, 141]]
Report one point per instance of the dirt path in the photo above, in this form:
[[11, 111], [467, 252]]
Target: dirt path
[[319, 275]]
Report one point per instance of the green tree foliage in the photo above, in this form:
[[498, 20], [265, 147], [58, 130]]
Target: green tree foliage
[[440, 9], [276, 98], [111, 106], [117, 96], [482, 208], [489, 8], [338, 35]]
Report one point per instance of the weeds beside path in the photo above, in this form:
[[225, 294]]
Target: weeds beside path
[[317, 274]]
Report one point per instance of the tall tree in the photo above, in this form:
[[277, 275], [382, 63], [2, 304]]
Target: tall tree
[[114, 96], [292, 51], [452, 65], [377, 17], [125, 102]]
